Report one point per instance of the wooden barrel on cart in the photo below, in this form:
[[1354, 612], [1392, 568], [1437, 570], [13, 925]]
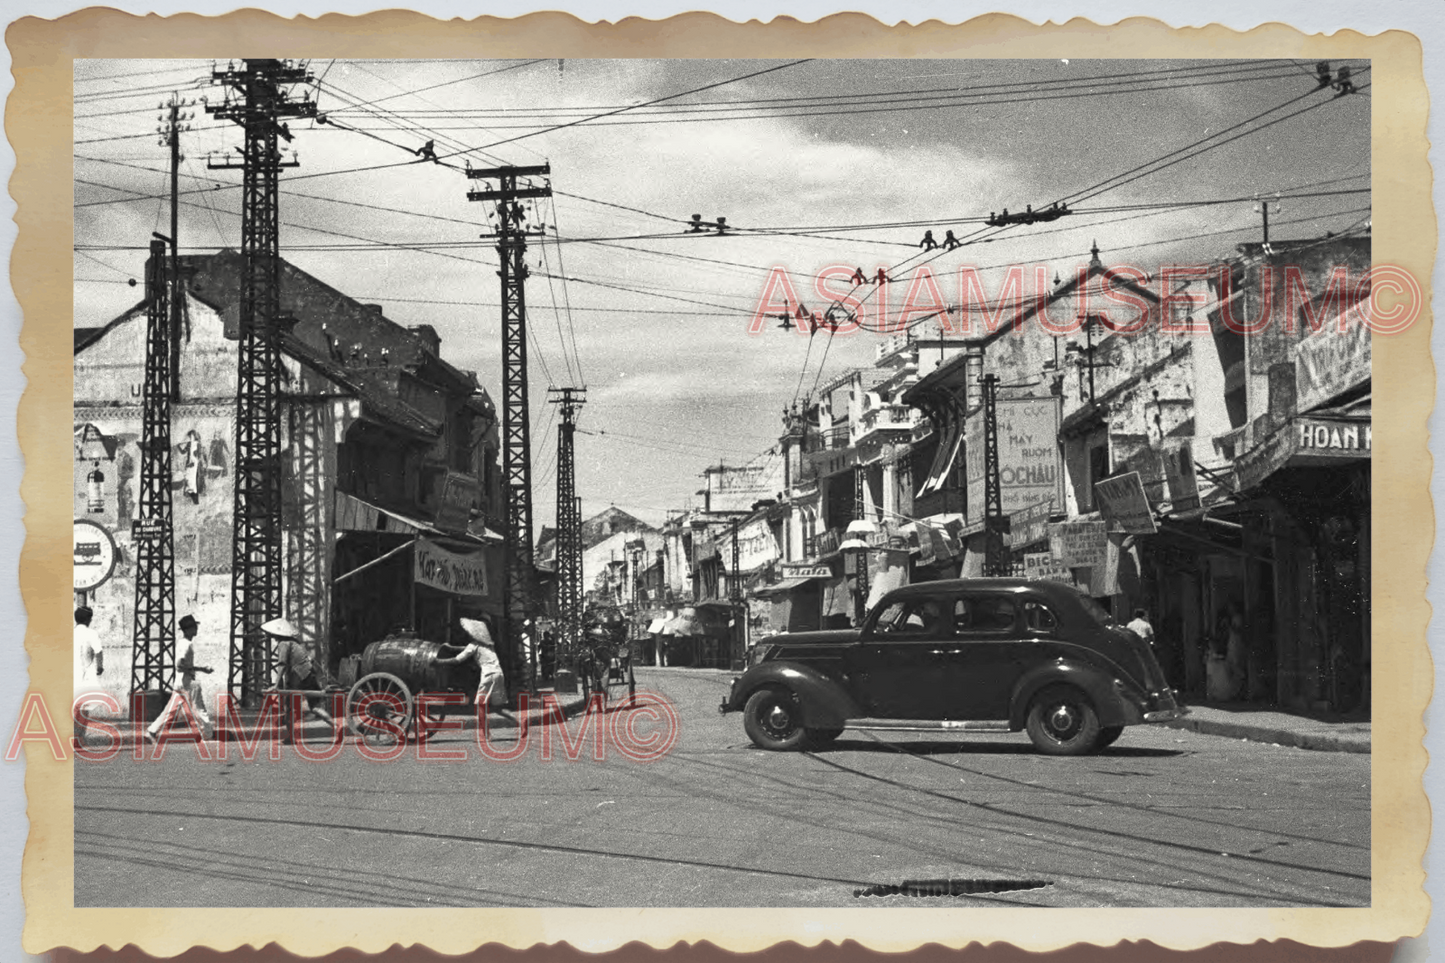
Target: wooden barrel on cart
[[410, 659]]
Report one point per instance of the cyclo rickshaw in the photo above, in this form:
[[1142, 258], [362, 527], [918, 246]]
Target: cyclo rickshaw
[[604, 662]]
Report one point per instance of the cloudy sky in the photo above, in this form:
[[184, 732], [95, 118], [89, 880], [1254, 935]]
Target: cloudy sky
[[813, 164]]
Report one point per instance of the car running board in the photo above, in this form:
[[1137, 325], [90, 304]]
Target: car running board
[[929, 725]]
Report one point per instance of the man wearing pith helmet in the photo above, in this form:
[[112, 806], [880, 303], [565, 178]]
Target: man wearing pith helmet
[[295, 668]]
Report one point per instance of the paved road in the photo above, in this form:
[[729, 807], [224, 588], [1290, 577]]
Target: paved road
[[1162, 818]]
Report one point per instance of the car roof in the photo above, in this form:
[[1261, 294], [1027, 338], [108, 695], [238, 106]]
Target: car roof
[[1045, 587]]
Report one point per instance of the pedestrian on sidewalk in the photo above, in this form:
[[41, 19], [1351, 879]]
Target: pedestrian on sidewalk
[[492, 687], [184, 687], [89, 666], [295, 666]]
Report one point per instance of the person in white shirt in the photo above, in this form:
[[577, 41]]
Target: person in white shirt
[[1140, 626], [492, 688], [184, 684], [89, 664]]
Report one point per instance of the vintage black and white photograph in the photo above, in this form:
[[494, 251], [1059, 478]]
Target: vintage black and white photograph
[[556, 483]]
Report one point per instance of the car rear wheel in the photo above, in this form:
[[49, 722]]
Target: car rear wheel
[[773, 720], [823, 738], [1062, 722], [1107, 735]]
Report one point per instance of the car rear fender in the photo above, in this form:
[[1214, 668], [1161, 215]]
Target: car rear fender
[[1110, 703], [825, 703]]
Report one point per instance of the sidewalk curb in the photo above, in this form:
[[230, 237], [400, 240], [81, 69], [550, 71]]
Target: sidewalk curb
[[1320, 742]]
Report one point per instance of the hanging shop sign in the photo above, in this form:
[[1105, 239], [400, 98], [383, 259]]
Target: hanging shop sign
[[1078, 544], [448, 571], [1043, 565], [1029, 470], [94, 560], [1180, 475], [1030, 525], [1125, 505], [459, 493]]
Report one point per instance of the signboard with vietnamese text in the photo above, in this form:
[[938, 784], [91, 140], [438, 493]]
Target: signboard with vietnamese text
[[1030, 525], [1078, 544], [1029, 470], [1124, 504], [756, 546], [1331, 361], [739, 489], [455, 572], [459, 492]]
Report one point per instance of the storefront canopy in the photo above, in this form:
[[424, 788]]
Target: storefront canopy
[[355, 515]]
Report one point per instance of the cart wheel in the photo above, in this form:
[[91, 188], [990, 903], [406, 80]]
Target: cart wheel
[[375, 698], [616, 676]]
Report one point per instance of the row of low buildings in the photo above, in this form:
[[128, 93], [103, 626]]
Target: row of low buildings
[[1231, 431], [391, 494]]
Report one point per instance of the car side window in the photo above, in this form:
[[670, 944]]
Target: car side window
[[1039, 618], [990, 615], [922, 618]]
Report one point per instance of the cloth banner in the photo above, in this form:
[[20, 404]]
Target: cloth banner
[[455, 572]]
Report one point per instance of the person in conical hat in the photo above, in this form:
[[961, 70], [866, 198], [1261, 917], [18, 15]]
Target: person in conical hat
[[492, 687], [295, 668]]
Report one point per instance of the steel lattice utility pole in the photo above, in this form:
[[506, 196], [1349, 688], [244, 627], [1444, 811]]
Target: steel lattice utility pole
[[516, 446], [569, 524], [176, 122], [256, 521], [994, 521], [154, 644]]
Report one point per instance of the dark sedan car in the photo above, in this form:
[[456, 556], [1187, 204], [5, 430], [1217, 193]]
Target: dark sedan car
[[966, 654]]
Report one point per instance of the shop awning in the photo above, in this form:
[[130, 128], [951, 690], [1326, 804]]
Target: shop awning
[[356, 515], [782, 587]]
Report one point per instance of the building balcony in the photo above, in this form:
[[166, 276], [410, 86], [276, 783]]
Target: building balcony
[[887, 418]]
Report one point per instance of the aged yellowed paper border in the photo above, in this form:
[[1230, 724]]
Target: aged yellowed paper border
[[38, 126]]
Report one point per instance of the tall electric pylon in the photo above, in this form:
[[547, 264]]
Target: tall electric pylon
[[995, 562], [569, 524], [153, 648], [256, 522], [511, 235]]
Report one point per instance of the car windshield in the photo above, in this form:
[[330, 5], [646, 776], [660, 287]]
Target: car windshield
[[1096, 610]]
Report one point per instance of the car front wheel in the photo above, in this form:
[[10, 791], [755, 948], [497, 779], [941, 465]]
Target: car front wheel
[[1062, 722], [773, 720]]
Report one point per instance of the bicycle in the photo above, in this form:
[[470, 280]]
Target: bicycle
[[605, 667]]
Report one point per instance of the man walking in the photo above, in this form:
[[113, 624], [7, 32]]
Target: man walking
[[89, 665], [183, 684]]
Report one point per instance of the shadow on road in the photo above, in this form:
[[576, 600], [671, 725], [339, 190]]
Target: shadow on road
[[920, 748]]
